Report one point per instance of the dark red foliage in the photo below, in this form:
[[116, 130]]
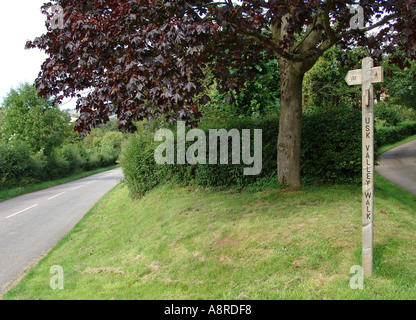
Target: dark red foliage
[[140, 59]]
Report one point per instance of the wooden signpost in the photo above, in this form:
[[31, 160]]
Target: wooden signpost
[[366, 77]]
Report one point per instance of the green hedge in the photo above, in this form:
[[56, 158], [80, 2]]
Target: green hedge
[[331, 147], [16, 163], [389, 135], [331, 153], [19, 167], [142, 172], [140, 169]]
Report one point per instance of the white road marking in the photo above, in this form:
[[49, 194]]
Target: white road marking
[[76, 188], [21, 211], [56, 196]]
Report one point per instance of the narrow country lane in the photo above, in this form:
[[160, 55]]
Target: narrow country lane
[[30, 225]]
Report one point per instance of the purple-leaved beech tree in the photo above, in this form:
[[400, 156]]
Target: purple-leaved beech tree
[[144, 58]]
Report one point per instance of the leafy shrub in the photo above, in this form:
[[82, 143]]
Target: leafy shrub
[[15, 163], [110, 145], [139, 167], [324, 85], [58, 166], [20, 166], [103, 147], [386, 115], [260, 95], [93, 160], [39, 162], [407, 114], [72, 155]]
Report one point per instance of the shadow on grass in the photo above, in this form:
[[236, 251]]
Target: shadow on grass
[[388, 264], [387, 190]]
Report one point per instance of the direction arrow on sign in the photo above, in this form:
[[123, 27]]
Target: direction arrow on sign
[[355, 77]]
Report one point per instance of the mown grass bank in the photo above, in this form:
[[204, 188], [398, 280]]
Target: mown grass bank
[[18, 191], [187, 243]]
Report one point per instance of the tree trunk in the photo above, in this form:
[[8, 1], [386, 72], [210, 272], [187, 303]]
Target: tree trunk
[[290, 124]]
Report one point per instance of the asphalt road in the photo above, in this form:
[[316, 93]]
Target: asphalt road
[[398, 165], [30, 225]]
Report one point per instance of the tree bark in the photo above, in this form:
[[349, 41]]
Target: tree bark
[[290, 124]]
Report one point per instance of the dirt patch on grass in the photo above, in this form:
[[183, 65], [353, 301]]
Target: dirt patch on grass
[[148, 277], [175, 242], [135, 259], [189, 282], [199, 255], [224, 242], [225, 259], [154, 268], [117, 270]]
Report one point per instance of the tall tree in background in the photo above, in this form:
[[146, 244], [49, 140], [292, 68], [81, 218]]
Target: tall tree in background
[[324, 86], [401, 87], [34, 120], [259, 96], [144, 58]]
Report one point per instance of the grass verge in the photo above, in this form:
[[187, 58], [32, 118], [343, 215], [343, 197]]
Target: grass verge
[[189, 243], [18, 191]]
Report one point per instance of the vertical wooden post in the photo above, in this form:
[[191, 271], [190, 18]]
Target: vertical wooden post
[[366, 77], [368, 167]]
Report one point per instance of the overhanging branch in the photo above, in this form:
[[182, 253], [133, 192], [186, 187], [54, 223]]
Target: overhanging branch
[[331, 41], [271, 45], [372, 27]]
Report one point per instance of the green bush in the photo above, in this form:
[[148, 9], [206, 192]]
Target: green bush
[[103, 147], [386, 115], [39, 162], [93, 160], [58, 166], [142, 173], [139, 167], [15, 163], [259, 96], [407, 114], [71, 152]]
